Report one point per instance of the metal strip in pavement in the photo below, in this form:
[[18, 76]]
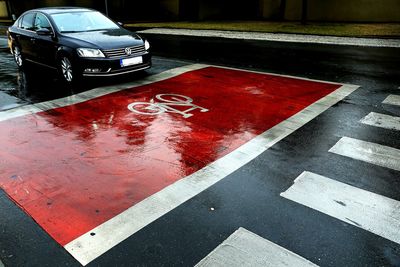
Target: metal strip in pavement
[[392, 100], [245, 248], [377, 154], [94, 243], [369, 211], [382, 121]]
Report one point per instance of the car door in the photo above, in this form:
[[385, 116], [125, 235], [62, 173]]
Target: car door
[[25, 35], [45, 46]]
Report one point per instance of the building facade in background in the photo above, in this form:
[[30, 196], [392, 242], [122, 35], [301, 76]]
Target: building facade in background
[[170, 10]]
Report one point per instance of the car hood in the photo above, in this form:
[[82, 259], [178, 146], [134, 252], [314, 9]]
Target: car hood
[[107, 39]]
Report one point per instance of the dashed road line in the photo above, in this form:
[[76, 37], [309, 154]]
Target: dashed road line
[[377, 154], [244, 248], [369, 211], [382, 121], [392, 100]]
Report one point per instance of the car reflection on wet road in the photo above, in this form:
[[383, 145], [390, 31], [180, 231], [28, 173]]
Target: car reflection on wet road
[[38, 84], [10, 80], [21, 87]]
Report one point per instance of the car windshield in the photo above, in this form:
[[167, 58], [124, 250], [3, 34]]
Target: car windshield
[[82, 21]]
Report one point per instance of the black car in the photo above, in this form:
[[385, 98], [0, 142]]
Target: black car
[[77, 42]]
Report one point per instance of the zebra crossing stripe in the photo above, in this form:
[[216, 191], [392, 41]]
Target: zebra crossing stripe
[[382, 121], [377, 154], [244, 248], [369, 211], [392, 100]]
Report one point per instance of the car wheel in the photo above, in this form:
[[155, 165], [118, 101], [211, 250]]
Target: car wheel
[[67, 73], [18, 57]]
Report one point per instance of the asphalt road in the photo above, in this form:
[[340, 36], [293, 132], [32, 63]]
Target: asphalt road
[[249, 197]]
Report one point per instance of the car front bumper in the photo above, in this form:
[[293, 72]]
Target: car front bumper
[[91, 67]]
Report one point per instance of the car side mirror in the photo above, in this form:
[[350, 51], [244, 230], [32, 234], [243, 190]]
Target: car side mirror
[[44, 31]]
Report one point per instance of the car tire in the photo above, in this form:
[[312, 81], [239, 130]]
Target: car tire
[[18, 57], [67, 72]]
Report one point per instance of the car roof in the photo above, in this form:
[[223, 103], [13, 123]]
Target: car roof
[[63, 9]]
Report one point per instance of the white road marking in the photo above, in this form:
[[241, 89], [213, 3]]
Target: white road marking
[[369, 211], [382, 121], [244, 248], [94, 243], [392, 100], [380, 155], [88, 247]]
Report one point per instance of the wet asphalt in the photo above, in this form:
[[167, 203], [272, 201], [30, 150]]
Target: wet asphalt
[[249, 197]]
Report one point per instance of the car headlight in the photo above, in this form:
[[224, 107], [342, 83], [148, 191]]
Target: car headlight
[[89, 52], [146, 45]]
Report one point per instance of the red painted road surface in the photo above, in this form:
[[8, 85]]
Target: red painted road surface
[[75, 167]]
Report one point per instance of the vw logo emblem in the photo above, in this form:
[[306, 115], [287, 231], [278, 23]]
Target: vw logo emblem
[[128, 51]]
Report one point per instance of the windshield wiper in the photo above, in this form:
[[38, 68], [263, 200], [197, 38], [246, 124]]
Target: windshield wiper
[[70, 31]]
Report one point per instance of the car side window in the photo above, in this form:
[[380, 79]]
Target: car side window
[[27, 21], [41, 22]]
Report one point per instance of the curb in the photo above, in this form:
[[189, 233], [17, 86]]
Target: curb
[[279, 37]]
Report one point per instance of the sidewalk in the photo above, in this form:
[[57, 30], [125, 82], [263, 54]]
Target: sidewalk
[[279, 37], [262, 36]]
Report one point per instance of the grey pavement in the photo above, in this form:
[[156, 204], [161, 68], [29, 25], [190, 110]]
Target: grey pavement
[[1, 264], [280, 37], [7, 102], [3, 44]]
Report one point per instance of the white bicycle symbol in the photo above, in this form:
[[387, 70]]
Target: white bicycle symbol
[[168, 101]]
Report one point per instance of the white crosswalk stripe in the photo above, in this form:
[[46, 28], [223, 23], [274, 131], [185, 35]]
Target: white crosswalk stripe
[[382, 121], [244, 248], [369, 152], [392, 100], [372, 212]]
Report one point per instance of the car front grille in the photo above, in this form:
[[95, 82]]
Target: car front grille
[[121, 52]]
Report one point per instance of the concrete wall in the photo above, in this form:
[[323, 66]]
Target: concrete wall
[[318, 10], [346, 10], [269, 9], [229, 9], [3, 12], [162, 10], [170, 8], [210, 9]]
